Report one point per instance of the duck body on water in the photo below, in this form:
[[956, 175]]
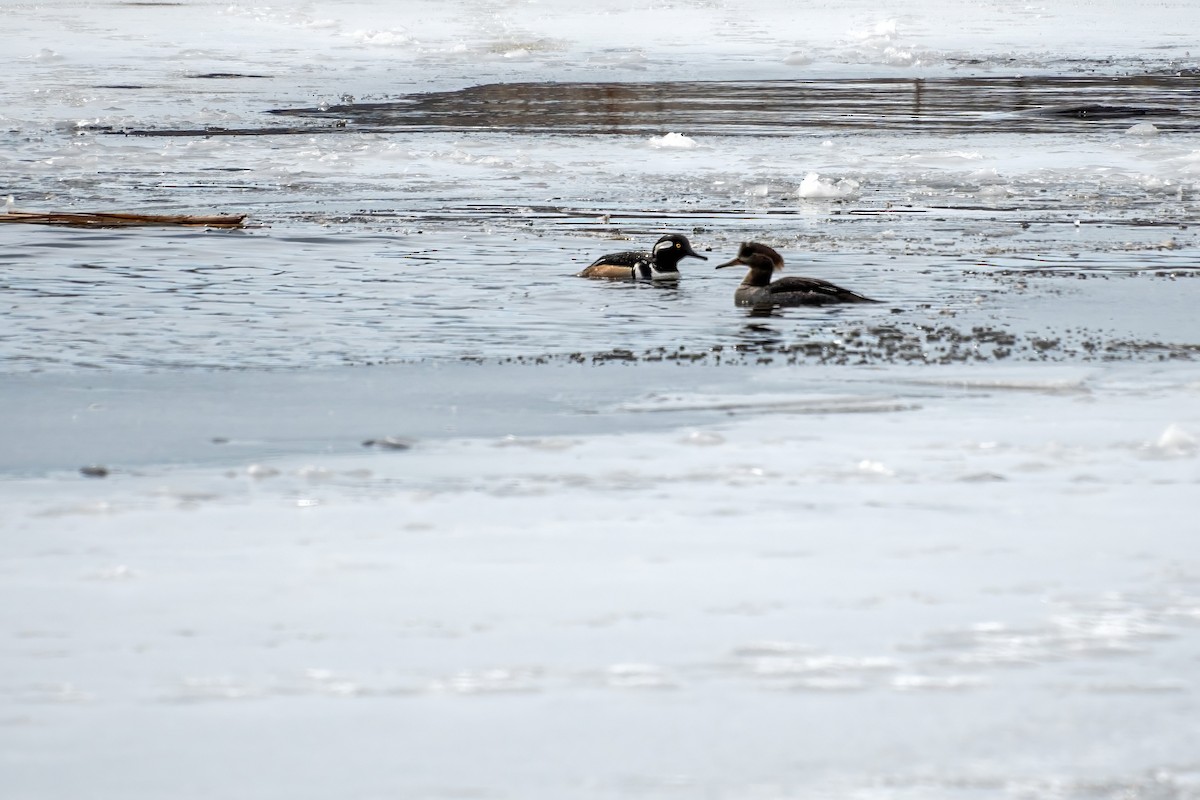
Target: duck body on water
[[757, 288], [661, 263]]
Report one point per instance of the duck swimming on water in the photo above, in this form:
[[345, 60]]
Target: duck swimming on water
[[661, 263], [757, 289]]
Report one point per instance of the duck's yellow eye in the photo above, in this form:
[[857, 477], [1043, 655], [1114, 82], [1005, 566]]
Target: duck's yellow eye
[[677, 244]]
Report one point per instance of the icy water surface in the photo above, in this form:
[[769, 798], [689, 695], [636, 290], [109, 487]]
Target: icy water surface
[[236, 300], [388, 236], [375, 498], [428, 192]]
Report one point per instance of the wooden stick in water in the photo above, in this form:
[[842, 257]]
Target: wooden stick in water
[[82, 219]]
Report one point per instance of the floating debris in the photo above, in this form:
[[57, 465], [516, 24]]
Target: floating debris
[[85, 219], [390, 443], [94, 471]]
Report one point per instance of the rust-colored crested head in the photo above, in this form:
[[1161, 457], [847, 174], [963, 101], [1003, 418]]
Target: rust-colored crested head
[[756, 256]]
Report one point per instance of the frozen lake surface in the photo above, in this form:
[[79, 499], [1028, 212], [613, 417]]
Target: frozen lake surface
[[393, 505]]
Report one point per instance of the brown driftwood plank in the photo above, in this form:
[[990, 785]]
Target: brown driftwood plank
[[83, 219]]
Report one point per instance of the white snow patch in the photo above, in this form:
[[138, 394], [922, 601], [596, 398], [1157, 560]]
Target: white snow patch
[[868, 467], [639, 676], [703, 439], [47, 56], [382, 38], [814, 187], [944, 158], [910, 683], [883, 29], [1174, 442], [987, 175], [673, 140], [897, 57], [261, 471], [119, 572]]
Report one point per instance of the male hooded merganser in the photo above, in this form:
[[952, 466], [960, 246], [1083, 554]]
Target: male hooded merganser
[[759, 290], [659, 264]]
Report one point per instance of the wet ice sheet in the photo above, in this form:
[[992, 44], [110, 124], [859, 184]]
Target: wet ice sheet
[[1003, 600], [978, 157]]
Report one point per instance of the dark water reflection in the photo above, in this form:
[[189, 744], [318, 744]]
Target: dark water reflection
[[892, 105]]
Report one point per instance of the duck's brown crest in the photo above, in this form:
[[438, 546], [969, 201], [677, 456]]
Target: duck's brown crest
[[749, 249]]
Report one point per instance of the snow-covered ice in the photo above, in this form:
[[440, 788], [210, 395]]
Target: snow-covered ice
[[573, 615]]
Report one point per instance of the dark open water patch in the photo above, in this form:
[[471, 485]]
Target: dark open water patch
[[226, 76], [885, 106]]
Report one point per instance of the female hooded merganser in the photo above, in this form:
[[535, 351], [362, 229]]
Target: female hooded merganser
[[759, 290], [659, 264]]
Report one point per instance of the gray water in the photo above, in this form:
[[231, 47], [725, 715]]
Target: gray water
[[490, 198]]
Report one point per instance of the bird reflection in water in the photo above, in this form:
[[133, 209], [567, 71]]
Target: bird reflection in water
[[755, 335]]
